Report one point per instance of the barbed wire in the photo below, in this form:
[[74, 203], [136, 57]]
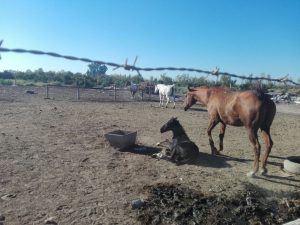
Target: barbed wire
[[214, 72]]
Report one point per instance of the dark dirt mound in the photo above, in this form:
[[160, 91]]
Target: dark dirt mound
[[172, 205]]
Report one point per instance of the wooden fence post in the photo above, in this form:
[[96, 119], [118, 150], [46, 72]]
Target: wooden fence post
[[115, 93], [149, 89], [78, 94], [47, 91], [142, 95]]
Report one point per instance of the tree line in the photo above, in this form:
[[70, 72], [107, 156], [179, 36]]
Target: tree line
[[96, 77]]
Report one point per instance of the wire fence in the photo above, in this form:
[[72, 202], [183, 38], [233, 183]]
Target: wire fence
[[72, 93], [214, 72], [111, 93]]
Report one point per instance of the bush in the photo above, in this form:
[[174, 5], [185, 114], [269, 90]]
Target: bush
[[6, 82]]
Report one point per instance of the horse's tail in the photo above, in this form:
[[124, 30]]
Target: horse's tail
[[268, 110], [261, 92], [173, 92]]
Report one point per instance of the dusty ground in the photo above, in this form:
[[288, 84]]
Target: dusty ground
[[55, 161]]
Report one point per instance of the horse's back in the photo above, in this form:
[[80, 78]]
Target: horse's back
[[257, 108], [167, 90], [243, 108]]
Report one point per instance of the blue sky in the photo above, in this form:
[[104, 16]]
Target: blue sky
[[239, 36]]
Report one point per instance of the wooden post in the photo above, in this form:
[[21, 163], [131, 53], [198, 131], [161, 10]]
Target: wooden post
[[142, 95], [47, 91], [78, 94], [115, 93], [149, 89]]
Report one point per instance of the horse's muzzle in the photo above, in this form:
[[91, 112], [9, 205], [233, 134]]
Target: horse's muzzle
[[162, 130]]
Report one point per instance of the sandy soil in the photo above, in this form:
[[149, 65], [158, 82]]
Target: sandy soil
[[55, 162]]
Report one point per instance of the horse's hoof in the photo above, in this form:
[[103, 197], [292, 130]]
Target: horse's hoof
[[217, 153], [263, 171], [214, 151], [158, 143], [251, 174]]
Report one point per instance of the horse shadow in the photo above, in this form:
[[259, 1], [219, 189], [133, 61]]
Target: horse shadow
[[281, 180], [215, 161], [198, 109], [142, 149], [203, 159]]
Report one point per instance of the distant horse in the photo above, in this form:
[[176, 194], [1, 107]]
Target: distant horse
[[181, 150], [165, 91], [133, 89], [252, 109]]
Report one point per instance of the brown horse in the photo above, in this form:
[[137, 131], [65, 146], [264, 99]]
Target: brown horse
[[252, 109]]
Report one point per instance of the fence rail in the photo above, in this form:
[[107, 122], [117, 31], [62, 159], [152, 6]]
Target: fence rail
[[100, 94], [214, 72]]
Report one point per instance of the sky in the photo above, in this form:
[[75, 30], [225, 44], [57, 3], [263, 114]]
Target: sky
[[239, 36]]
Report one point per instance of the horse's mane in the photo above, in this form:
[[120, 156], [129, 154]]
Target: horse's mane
[[179, 124], [213, 88]]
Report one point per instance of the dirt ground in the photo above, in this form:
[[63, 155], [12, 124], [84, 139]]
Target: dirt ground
[[55, 163]]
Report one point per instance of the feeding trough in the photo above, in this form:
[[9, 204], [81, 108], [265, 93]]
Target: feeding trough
[[121, 139], [292, 164]]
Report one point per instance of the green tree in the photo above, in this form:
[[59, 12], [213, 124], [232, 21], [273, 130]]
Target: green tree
[[183, 80], [95, 69], [137, 79], [226, 81], [165, 79], [7, 75]]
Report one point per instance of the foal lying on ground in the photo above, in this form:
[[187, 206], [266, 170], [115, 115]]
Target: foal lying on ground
[[181, 150]]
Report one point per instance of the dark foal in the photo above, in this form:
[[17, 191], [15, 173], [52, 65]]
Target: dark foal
[[181, 150], [252, 109]]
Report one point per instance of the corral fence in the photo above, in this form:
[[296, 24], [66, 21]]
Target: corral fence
[[111, 93], [75, 93]]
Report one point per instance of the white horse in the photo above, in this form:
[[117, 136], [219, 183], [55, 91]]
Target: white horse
[[165, 91]]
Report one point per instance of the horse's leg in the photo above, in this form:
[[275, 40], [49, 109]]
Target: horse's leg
[[166, 143], [212, 124], [221, 135], [269, 143], [173, 102], [252, 133], [160, 99], [168, 99], [174, 154]]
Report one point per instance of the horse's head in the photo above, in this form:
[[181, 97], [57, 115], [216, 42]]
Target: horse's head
[[170, 125], [189, 99], [198, 94]]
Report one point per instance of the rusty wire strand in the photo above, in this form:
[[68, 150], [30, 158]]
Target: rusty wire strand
[[215, 72]]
